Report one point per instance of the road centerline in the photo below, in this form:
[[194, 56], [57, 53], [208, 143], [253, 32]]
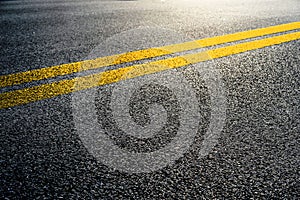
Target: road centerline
[[45, 91]]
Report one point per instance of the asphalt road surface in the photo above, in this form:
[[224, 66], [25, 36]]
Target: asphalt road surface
[[223, 128]]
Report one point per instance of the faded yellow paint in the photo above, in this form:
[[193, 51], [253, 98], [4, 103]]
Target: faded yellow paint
[[239, 48]]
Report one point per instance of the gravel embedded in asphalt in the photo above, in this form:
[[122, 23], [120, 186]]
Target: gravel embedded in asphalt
[[256, 156]]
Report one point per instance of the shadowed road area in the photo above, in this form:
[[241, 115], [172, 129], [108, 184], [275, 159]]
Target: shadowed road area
[[45, 153]]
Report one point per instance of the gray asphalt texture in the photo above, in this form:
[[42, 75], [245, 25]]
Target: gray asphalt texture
[[257, 154]]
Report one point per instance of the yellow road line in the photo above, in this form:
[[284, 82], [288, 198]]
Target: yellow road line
[[60, 70], [45, 91]]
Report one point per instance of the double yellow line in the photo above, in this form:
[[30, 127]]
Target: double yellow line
[[45, 91]]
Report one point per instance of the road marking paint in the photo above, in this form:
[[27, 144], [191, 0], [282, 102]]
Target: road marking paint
[[45, 91], [65, 69], [256, 44]]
